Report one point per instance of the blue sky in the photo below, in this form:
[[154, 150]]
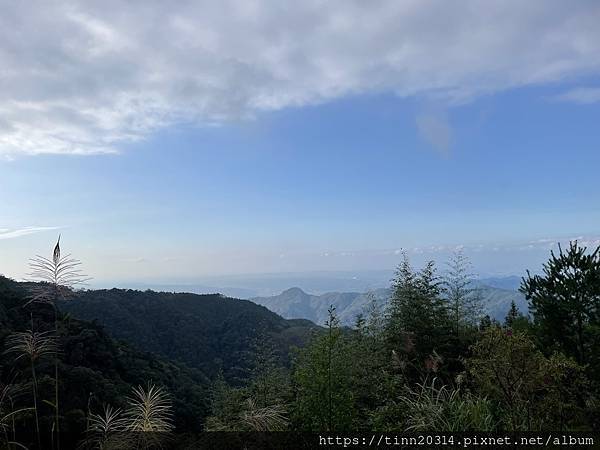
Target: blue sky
[[275, 165]]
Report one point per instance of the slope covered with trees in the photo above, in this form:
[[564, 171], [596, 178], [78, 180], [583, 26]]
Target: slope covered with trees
[[210, 332], [93, 370]]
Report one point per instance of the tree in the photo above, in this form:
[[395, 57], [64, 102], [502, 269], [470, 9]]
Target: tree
[[324, 397], [373, 384], [418, 322], [464, 299], [565, 301], [269, 383], [513, 314], [533, 392], [225, 407], [516, 320]]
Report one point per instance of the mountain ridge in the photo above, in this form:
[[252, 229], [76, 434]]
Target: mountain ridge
[[210, 332], [296, 303]]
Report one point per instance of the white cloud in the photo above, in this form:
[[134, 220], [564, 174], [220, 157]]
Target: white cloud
[[11, 234], [85, 77], [582, 95]]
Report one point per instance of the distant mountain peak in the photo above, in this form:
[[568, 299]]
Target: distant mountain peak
[[294, 303], [294, 291]]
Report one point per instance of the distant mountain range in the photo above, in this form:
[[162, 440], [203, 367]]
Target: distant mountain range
[[266, 284], [272, 284], [508, 282], [294, 303]]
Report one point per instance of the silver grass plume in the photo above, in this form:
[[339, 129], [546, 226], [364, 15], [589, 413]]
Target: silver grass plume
[[431, 408], [109, 421], [107, 431], [32, 344], [269, 418], [149, 410], [57, 277]]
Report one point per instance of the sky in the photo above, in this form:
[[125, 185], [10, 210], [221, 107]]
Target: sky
[[177, 141]]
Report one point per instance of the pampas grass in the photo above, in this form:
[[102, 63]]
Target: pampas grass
[[32, 345], [143, 424], [55, 279], [107, 431], [149, 409], [269, 418], [8, 392], [430, 407]]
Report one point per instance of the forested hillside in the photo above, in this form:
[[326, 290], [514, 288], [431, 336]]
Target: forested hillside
[[93, 370], [209, 332]]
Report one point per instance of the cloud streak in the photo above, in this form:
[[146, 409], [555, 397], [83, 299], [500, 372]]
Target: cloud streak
[[545, 244], [20, 232], [582, 95], [85, 78]]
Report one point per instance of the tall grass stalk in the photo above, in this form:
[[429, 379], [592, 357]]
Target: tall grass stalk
[[55, 279], [32, 345]]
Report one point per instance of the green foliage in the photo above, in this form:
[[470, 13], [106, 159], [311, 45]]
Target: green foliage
[[418, 317], [373, 378], [94, 370], [211, 333], [269, 383], [565, 303], [516, 321], [418, 329], [237, 409], [464, 299], [262, 404], [323, 382], [533, 392]]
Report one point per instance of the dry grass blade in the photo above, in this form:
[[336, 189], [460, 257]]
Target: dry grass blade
[[269, 418], [149, 410], [109, 421], [7, 413], [108, 430]]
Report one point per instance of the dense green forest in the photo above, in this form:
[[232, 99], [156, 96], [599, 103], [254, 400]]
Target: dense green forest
[[93, 370], [212, 333], [183, 363]]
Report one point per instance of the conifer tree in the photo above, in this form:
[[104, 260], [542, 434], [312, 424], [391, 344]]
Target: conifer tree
[[512, 315], [565, 301], [464, 299], [324, 396], [418, 319]]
